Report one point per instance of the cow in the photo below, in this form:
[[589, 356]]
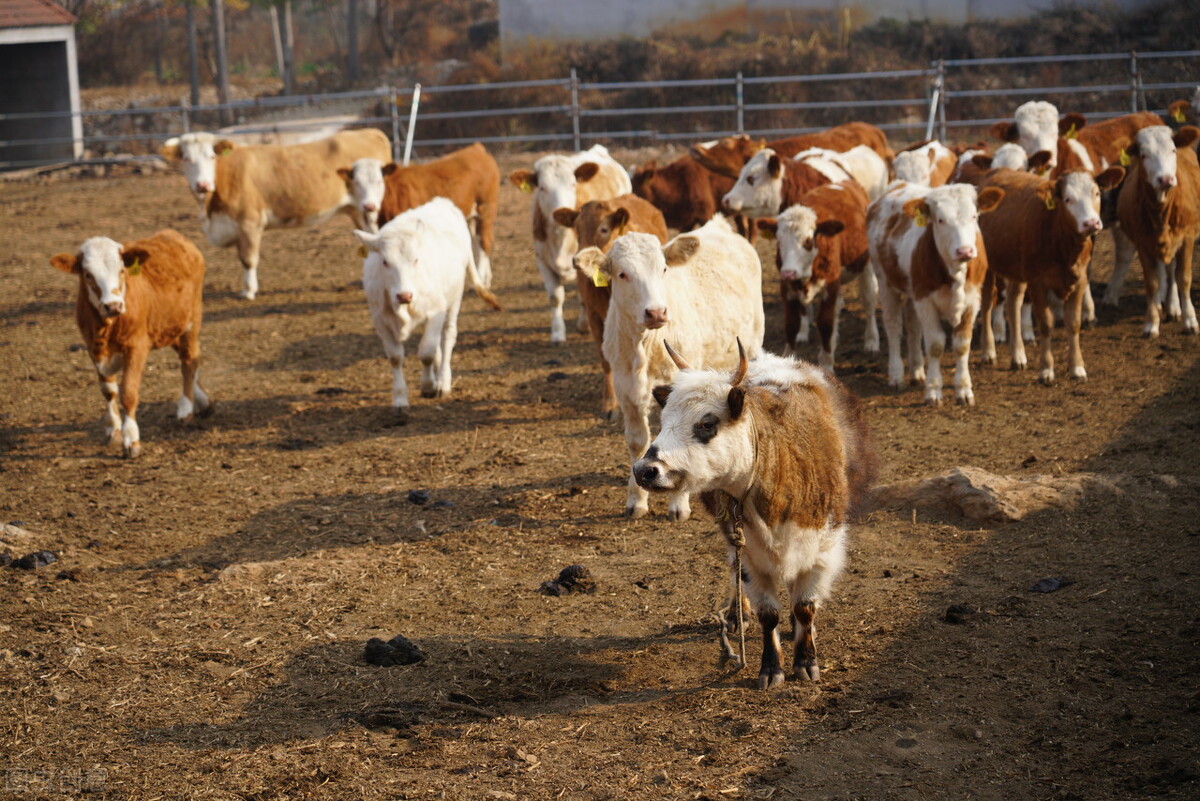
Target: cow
[[727, 156], [243, 191], [1159, 209], [1036, 127], [822, 245], [557, 182], [414, 274], [1040, 239], [770, 183], [1012, 156], [701, 290], [686, 193], [861, 163], [929, 257], [135, 298], [782, 456], [1183, 112], [597, 224], [469, 177], [927, 163]]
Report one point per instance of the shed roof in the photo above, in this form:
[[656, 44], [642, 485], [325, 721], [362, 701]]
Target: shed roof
[[31, 13]]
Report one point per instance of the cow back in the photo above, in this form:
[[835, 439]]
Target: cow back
[[468, 177]]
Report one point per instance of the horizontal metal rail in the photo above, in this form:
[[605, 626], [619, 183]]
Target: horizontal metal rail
[[1039, 90], [494, 112], [841, 76]]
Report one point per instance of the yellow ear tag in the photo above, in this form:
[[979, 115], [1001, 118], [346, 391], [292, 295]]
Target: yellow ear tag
[[1125, 160], [1072, 132], [920, 219], [1050, 204], [362, 251], [135, 268], [620, 231], [526, 186], [599, 279], [1178, 115]]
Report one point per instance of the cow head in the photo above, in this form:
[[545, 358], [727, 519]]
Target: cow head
[[1011, 156], [807, 248], [554, 182], [596, 224], [364, 182], [1079, 195], [199, 153], [727, 155], [636, 266], [700, 442], [394, 251], [643, 180], [1156, 148], [104, 267], [915, 166], [759, 188], [1036, 127], [952, 211]]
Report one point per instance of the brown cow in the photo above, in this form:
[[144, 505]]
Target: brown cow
[[133, 299], [596, 224], [727, 156], [468, 177], [687, 194], [770, 183], [1159, 209], [822, 245]]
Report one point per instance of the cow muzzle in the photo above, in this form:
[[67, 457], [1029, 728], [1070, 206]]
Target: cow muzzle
[[1167, 181], [655, 318], [965, 253], [1093, 226], [370, 207], [651, 475], [112, 308], [202, 188], [404, 298]]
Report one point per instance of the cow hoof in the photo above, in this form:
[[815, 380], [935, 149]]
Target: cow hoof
[[246, 294], [770, 679], [401, 416], [965, 399], [637, 512], [207, 410], [678, 515], [133, 451], [429, 393], [807, 671], [1017, 365], [1189, 328], [1046, 377], [610, 415], [1150, 331], [933, 400], [112, 435], [1079, 374]]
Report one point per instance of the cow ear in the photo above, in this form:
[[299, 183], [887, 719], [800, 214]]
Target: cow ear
[[989, 199], [1186, 136], [618, 221], [661, 393], [1039, 160], [647, 170], [1132, 149], [591, 261], [829, 228], [933, 155], [525, 180], [1070, 124], [767, 226], [389, 168], [169, 149], [134, 259], [1006, 131], [982, 160], [368, 239], [565, 217], [918, 209], [345, 173], [1047, 192], [223, 147], [586, 171], [774, 166], [1110, 178], [736, 400], [1178, 110], [680, 250], [67, 263]]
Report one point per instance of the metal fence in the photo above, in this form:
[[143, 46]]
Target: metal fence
[[950, 97]]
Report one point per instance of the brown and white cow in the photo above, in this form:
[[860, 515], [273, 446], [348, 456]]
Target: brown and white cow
[[727, 156], [823, 245], [929, 256], [927, 163], [782, 455], [1159, 209], [770, 183], [468, 177], [135, 298], [1040, 239], [687, 194], [245, 190], [558, 182], [596, 225], [1036, 127]]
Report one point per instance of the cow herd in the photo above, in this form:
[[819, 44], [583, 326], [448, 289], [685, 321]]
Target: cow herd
[[939, 236]]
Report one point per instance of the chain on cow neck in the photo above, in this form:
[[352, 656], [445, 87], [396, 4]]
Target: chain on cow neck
[[738, 540]]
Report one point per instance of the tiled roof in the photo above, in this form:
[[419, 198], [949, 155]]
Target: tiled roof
[[28, 13]]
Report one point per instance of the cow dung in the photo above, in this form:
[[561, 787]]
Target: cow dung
[[572, 578], [397, 651]]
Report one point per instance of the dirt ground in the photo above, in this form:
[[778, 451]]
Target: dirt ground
[[201, 635]]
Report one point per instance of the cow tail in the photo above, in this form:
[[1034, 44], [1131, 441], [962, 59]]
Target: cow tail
[[480, 290]]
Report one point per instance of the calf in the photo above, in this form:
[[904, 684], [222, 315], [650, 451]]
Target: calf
[[782, 455], [597, 224], [823, 244], [686, 193], [244, 191], [1040, 238], [702, 289], [927, 251], [770, 183], [861, 163], [1159, 209], [728, 155], [135, 298], [925, 163], [565, 182], [469, 177], [414, 274], [1036, 127]]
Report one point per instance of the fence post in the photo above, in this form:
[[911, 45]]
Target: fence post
[[575, 108], [941, 79], [741, 103], [1133, 81], [935, 99], [393, 100], [412, 122], [185, 111]]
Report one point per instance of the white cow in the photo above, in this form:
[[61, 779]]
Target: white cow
[[558, 182], [365, 181], [931, 164], [414, 274], [702, 291], [861, 162], [1035, 127]]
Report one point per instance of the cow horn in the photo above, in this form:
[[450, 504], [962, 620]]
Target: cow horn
[[675, 357], [743, 364]]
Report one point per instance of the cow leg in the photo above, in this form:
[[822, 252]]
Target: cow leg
[[827, 319], [387, 326], [484, 241], [806, 315], [679, 507], [916, 353], [869, 284], [131, 384], [935, 345], [248, 242], [1123, 250], [105, 372], [792, 312], [1171, 306], [1152, 277], [188, 348], [807, 590], [1088, 305], [429, 352], [557, 295], [893, 325], [446, 349], [1013, 301], [1074, 310], [760, 590], [637, 438], [1043, 316], [961, 344], [1183, 284], [987, 335], [1028, 334]]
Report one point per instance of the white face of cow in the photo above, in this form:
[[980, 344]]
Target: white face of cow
[[1159, 161], [1012, 156], [398, 257], [796, 234], [1037, 128], [954, 218], [637, 270], [103, 275], [1080, 194], [199, 162], [759, 189], [366, 186]]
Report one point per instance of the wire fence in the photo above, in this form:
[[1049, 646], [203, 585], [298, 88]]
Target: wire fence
[[950, 97]]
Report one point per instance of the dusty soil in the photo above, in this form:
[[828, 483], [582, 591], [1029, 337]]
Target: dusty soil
[[202, 633]]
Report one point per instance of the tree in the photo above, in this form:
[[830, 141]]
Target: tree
[[351, 40], [285, 49], [222, 72], [193, 58]]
